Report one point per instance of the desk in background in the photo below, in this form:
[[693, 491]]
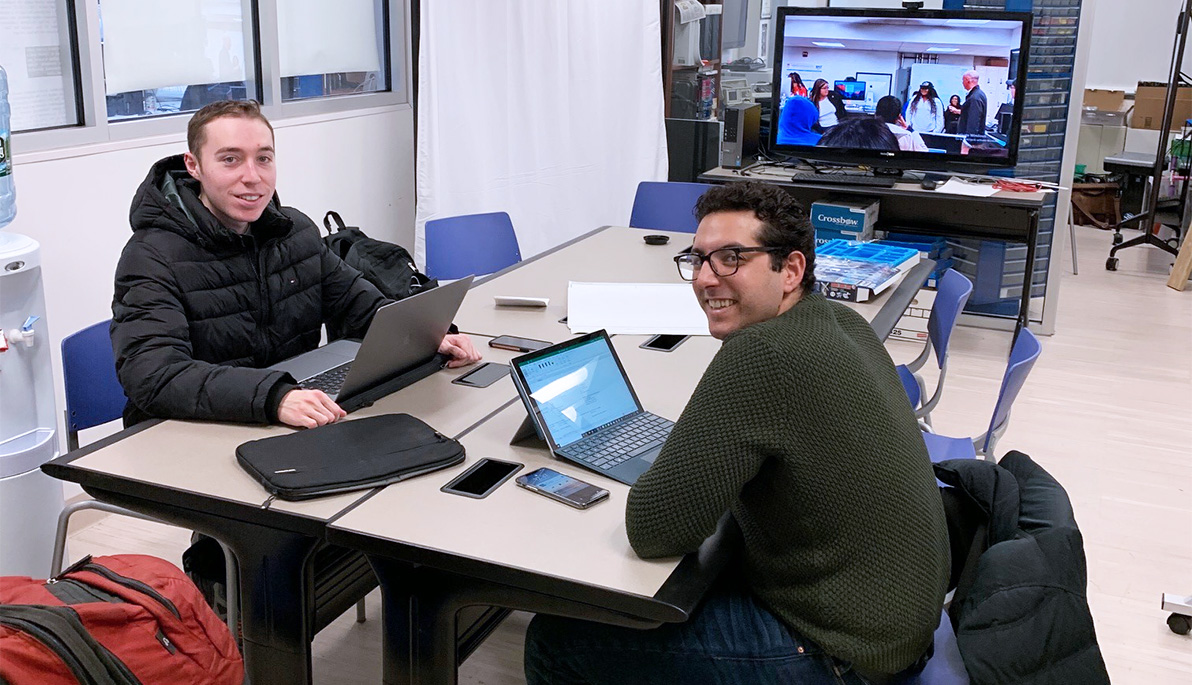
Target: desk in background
[[430, 558], [906, 207]]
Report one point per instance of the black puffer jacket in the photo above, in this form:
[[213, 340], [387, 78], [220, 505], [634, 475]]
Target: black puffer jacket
[[1023, 618], [199, 310]]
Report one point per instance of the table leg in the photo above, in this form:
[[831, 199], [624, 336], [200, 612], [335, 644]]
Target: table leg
[[276, 628], [1028, 276]]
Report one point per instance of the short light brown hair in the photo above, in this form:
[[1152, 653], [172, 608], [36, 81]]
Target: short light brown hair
[[196, 133]]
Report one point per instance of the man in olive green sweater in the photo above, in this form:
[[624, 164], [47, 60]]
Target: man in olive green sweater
[[800, 428]]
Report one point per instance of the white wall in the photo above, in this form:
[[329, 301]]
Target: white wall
[[1132, 42], [76, 202]]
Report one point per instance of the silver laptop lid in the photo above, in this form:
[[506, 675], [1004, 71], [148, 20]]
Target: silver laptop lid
[[403, 334]]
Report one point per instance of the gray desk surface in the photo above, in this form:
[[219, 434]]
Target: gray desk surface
[[521, 531], [200, 457], [609, 255]]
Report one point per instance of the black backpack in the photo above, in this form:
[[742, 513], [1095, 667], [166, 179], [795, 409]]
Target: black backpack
[[387, 266]]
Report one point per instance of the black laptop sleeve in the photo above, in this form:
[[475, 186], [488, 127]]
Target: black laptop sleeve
[[347, 455]]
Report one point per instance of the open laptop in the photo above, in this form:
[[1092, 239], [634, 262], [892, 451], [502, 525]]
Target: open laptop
[[582, 404], [403, 338]]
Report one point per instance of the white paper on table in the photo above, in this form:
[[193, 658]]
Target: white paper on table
[[955, 186], [634, 308]]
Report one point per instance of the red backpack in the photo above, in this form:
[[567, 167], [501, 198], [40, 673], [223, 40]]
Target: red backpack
[[120, 620]]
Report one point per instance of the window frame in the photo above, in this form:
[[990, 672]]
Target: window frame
[[261, 19]]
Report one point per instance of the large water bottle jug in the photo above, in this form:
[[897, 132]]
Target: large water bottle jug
[[8, 191]]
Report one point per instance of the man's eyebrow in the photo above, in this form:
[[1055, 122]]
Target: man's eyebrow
[[267, 148]]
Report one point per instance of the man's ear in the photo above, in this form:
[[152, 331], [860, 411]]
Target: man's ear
[[192, 165], [793, 270]]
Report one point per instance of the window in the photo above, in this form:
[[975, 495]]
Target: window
[[37, 52], [93, 71], [169, 57], [328, 49]]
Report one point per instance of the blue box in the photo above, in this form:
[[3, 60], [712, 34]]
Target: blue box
[[844, 219]]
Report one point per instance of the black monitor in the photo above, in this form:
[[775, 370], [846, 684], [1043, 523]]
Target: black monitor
[[886, 80]]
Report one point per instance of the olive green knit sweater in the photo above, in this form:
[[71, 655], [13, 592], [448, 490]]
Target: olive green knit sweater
[[801, 428]]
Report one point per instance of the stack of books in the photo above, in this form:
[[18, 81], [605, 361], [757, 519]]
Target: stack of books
[[858, 272]]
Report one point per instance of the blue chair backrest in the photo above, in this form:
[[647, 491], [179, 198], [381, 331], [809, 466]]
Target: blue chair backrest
[[1022, 358], [952, 293], [94, 395], [663, 206], [470, 245]]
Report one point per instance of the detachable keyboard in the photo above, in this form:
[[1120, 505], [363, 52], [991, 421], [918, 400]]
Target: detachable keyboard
[[843, 179], [330, 381], [622, 441]]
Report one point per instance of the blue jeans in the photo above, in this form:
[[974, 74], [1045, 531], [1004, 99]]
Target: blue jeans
[[730, 639]]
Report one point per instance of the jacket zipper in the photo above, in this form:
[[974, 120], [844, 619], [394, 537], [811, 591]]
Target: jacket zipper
[[55, 645], [258, 265], [133, 584]]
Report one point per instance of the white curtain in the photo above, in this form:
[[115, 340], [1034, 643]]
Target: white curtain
[[550, 111]]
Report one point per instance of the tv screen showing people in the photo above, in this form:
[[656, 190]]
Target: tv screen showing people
[[942, 83]]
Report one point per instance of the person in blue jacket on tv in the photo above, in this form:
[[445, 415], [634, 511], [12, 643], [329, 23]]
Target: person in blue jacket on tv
[[795, 122]]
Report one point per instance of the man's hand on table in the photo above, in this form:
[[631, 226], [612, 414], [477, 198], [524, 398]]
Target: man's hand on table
[[303, 408], [460, 349]]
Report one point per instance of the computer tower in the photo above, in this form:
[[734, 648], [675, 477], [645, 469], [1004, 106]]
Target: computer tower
[[741, 124], [693, 147]]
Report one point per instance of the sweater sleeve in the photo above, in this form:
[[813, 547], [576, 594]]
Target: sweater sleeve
[[154, 357], [726, 433]]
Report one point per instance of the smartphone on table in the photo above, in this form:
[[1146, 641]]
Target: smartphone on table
[[563, 488], [484, 375], [664, 343], [482, 478], [509, 342]]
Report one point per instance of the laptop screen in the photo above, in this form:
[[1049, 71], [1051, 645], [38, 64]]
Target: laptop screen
[[577, 387]]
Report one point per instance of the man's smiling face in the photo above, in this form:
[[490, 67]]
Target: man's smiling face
[[235, 167], [756, 292]]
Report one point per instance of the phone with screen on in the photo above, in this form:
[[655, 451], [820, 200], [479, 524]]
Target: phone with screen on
[[563, 488], [482, 478]]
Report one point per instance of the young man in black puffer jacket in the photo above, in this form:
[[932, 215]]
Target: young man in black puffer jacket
[[220, 281]]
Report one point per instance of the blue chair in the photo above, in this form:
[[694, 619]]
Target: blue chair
[[93, 393], [470, 245], [94, 397], [1022, 358], [951, 295], [663, 206]]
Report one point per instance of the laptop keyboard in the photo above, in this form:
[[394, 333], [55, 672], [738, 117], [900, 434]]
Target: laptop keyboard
[[621, 442], [330, 381]]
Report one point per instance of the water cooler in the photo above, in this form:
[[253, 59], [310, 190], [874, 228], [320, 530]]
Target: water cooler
[[29, 500]]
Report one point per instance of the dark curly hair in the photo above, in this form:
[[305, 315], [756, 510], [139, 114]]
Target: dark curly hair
[[784, 221]]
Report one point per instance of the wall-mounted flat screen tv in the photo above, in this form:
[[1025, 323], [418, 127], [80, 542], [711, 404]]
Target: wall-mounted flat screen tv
[[902, 89]]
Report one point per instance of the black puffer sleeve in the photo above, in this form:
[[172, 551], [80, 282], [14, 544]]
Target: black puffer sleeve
[[154, 357]]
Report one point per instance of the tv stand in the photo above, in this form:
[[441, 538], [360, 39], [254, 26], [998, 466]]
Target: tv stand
[[844, 177]]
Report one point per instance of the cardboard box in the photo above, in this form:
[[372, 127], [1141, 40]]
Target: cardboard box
[[912, 325], [1148, 106], [1107, 100], [844, 219]]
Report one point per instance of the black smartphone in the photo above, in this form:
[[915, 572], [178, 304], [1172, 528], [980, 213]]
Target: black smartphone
[[664, 343], [484, 375], [509, 342], [564, 488], [482, 478]]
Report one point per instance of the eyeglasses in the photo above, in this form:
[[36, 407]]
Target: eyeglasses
[[724, 262]]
